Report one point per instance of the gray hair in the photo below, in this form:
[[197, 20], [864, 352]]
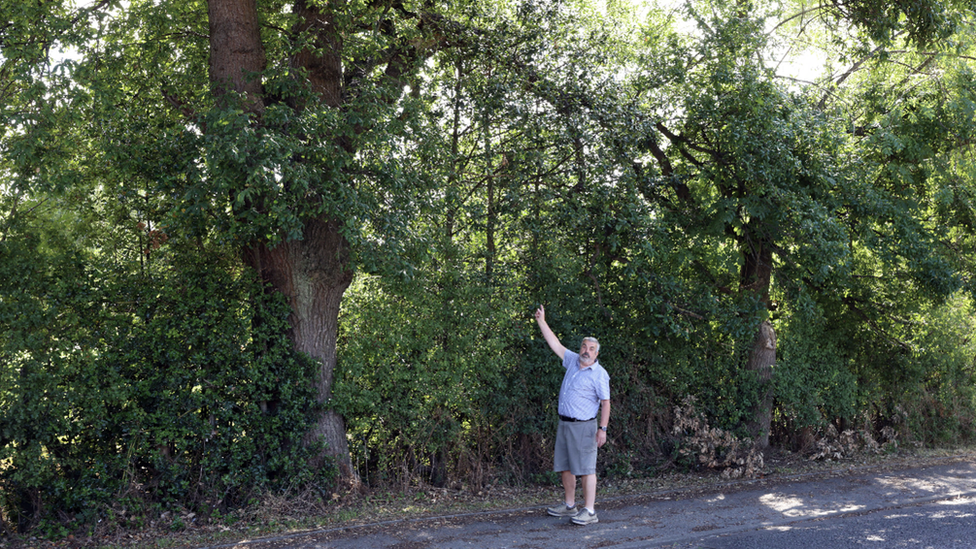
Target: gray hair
[[593, 339]]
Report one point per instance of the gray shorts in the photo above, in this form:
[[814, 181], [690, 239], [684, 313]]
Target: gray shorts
[[576, 447]]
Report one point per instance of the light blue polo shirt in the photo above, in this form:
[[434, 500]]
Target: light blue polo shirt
[[582, 389]]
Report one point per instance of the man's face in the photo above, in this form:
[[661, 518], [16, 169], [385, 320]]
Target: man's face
[[588, 352]]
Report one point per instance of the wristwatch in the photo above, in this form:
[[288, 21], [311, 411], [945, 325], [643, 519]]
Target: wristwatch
[[604, 429]]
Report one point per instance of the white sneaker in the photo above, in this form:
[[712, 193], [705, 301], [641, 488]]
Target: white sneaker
[[585, 517], [563, 510]]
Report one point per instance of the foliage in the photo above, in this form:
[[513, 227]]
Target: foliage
[[432, 394], [656, 254], [171, 382], [662, 190], [814, 382]]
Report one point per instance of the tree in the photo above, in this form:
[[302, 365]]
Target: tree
[[778, 185], [293, 133], [356, 60]]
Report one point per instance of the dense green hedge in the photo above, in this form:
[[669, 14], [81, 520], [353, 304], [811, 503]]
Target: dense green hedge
[[169, 386], [450, 383], [462, 391], [169, 382]]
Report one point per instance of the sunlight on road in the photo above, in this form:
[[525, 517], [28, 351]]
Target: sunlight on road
[[794, 507], [952, 513], [958, 501], [936, 485]]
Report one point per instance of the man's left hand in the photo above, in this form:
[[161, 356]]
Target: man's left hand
[[601, 437]]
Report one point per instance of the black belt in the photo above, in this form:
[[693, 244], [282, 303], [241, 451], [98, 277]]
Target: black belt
[[573, 419]]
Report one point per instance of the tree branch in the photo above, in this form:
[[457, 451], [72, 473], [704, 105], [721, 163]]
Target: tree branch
[[852, 305]]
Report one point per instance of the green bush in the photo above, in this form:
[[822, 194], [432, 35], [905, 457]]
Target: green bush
[[813, 380], [173, 384]]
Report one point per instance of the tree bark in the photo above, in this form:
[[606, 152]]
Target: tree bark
[[761, 360], [237, 56], [756, 273], [323, 62], [314, 274], [756, 277]]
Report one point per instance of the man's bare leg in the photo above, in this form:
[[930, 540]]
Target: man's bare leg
[[569, 487], [589, 491]]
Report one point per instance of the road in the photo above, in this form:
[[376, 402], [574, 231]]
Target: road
[[926, 507], [939, 524]]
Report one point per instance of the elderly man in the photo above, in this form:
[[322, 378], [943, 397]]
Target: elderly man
[[585, 391]]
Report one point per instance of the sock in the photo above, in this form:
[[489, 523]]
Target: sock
[[591, 511]]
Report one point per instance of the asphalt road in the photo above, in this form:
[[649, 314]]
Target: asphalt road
[[939, 524], [927, 507]]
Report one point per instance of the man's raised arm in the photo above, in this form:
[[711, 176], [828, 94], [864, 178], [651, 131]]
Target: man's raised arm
[[551, 339]]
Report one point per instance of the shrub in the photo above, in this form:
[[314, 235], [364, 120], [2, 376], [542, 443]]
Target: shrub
[[174, 385]]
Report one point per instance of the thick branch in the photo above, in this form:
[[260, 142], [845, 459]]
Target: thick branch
[[237, 57]]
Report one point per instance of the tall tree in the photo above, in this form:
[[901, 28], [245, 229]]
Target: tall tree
[[772, 179], [351, 60]]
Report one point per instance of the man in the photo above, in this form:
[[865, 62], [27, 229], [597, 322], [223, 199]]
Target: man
[[585, 391]]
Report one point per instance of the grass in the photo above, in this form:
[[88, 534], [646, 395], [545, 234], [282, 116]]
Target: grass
[[276, 515]]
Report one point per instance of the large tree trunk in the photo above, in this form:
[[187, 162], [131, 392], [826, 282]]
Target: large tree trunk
[[756, 273], [314, 273], [761, 360], [756, 277]]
